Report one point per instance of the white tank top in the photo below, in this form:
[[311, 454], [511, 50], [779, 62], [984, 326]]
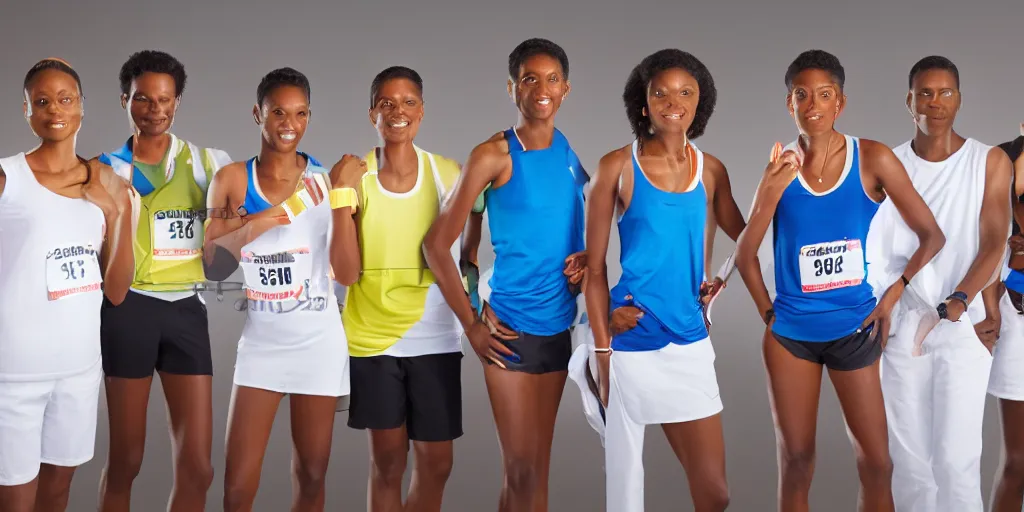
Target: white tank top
[[289, 282], [954, 190], [50, 279]]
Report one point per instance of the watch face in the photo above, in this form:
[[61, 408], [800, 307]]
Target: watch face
[[942, 310]]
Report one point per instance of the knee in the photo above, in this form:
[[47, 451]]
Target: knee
[[238, 495], [521, 476], [124, 465], [875, 468], [311, 474], [435, 468], [389, 467], [195, 472], [798, 465], [716, 495], [1013, 470]]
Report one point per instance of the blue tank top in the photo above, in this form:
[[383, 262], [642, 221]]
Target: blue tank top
[[255, 202], [661, 237], [820, 269], [536, 222], [1013, 149]]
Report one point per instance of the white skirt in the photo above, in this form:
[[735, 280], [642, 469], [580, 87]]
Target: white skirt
[[300, 354], [673, 384]]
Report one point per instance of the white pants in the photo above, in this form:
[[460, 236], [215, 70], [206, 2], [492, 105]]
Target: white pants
[[934, 404], [47, 422], [674, 384], [1007, 379]]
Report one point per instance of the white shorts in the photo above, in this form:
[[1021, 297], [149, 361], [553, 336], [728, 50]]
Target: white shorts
[[1007, 379], [47, 422], [673, 384]]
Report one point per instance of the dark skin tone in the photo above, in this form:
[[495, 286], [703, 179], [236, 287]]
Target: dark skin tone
[[1008, 491], [396, 114], [282, 117], [672, 99], [53, 109], [151, 104], [524, 405], [815, 101], [934, 101]]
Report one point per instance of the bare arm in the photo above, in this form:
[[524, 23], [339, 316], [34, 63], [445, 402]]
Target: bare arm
[[471, 236], [346, 256], [486, 163], [777, 177], [995, 222], [117, 257], [893, 178], [728, 214], [226, 231], [3, 181], [600, 211]]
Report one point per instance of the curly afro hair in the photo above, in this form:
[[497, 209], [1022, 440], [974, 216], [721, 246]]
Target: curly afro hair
[[634, 96], [152, 61]]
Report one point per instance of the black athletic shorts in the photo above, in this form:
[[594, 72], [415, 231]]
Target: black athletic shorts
[[144, 334], [538, 354], [851, 352], [422, 392]]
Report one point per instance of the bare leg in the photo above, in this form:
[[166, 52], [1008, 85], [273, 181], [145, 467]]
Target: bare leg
[[389, 453], [794, 387], [250, 420], [1009, 489], [190, 410], [54, 488], [700, 447], [524, 407], [434, 462], [19, 498], [127, 403], [312, 430], [860, 396]]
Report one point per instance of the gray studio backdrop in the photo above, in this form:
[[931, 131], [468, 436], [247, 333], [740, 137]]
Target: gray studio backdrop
[[460, 48]]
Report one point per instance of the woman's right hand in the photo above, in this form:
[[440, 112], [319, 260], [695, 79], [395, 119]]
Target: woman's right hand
[[484, 336], [781, 171]]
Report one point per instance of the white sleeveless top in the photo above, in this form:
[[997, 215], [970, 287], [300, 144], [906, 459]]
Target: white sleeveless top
[[954, 190], [50, 279], [289, 282]]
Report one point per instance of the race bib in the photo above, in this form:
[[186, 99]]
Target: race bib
[[72, 270], [831, 265], [277, 277], [177, 234]]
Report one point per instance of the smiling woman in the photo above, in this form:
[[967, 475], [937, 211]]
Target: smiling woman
[[65, 247]]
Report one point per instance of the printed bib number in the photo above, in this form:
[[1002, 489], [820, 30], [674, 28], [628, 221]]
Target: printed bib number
[[276, 277], [72, 270], [831, 265], [177, 234]]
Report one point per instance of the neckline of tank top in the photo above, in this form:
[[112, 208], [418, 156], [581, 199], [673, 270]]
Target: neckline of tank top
[[31, 177], [522, 147], [695, 168], [968, 141], [377, 150], [847, 166], [250, 166]]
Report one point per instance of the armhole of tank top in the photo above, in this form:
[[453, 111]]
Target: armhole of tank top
[[5, 165], [696, 167], [859, 157]]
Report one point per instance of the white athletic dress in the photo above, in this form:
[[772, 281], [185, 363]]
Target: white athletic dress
[[293, 341], [50, 297]]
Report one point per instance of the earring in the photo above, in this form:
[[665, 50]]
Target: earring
[[650, 129]]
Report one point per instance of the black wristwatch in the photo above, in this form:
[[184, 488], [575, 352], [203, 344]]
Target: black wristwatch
[[768, 316], [943, 311]]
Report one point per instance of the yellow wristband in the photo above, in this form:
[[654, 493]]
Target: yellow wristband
[[342, 197]]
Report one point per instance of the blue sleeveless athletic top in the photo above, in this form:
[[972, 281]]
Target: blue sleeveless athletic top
[[254, 200], [662, 256], [820, 269], [1013, 149], [536, 222]]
